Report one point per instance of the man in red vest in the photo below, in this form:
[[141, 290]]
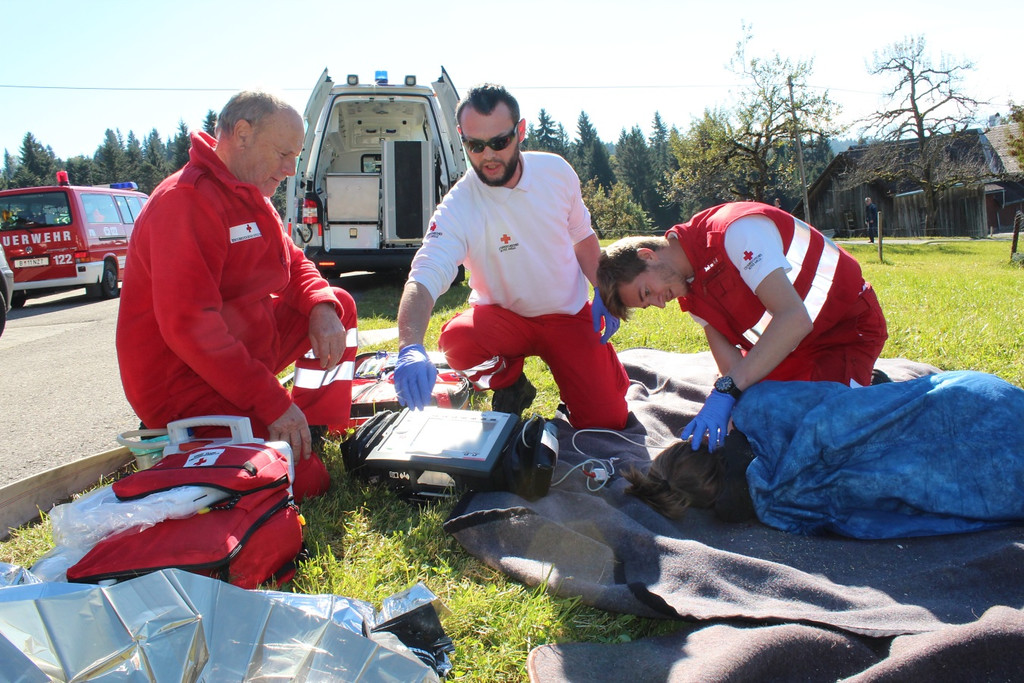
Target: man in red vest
[[777, 300]]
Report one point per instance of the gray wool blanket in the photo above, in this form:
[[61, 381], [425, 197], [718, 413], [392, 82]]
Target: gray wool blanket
[[754, 603]]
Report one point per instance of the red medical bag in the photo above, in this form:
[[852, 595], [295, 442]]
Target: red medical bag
[[252, 536]]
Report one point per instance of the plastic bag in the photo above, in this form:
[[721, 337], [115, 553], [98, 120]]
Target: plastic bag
[[84, 522], [88, 520]]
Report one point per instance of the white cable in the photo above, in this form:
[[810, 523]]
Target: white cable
[[618, 434], [598, 476], [601, 470]]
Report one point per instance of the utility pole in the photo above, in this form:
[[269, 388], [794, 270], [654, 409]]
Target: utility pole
[[799, 151]]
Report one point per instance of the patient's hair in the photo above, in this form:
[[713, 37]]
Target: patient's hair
[[679, 477]]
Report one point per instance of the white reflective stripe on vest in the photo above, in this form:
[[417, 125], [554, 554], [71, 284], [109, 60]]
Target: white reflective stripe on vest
[[824, 275], [314, 378]]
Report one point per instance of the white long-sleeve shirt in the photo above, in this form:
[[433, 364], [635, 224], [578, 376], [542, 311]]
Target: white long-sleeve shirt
[[517, 243]]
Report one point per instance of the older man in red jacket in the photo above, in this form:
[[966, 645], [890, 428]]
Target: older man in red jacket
[[217, 300]]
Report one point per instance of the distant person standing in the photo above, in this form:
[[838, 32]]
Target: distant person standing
[[871, 218], [778, 203]]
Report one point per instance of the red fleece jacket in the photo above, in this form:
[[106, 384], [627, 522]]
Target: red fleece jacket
[[206, 258]]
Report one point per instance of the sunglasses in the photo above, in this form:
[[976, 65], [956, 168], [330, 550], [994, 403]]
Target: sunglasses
[[497, 143]]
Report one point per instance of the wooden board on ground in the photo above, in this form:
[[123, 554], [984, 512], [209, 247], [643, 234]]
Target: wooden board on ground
[[21, 501]]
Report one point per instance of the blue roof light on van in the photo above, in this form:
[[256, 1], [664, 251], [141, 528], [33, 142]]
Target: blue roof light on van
[[124, 186], [380, 77]]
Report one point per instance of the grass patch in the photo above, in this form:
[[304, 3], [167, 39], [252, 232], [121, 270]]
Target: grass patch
[[956, 305]]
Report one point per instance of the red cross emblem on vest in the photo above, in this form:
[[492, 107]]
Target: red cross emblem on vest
[[505, 239], [747, 255]]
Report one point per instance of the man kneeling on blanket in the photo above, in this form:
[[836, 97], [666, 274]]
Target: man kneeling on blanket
[[776, 298], [934, 455]]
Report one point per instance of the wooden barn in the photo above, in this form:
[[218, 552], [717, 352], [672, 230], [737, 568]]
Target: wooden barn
[[972, 209], [1004, 198]]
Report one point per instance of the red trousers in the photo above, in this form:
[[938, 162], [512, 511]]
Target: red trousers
[[325, 402], [489, 344], [326, 398]]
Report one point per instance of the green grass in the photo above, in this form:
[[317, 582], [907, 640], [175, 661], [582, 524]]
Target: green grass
[[953, 304]]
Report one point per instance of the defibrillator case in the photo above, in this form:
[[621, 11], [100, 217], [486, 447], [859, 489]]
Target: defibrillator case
[[435, 452]]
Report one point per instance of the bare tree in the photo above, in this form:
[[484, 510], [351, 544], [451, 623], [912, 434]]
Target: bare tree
[[920, 133]]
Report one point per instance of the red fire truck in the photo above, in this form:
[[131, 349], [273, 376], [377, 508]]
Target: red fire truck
[[64, 236]]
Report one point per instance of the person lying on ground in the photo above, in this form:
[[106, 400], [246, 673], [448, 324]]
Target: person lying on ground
[[934, 455]]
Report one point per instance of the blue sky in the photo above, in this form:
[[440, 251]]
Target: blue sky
[[73, 68]]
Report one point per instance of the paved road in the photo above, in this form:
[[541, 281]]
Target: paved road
[[60, 392]]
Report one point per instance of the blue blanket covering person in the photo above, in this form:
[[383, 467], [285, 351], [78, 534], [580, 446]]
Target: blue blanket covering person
[[939, 454]]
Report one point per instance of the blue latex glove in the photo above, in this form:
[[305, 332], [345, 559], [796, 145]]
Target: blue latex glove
[[601, 315], [414, 377], [713, 419]]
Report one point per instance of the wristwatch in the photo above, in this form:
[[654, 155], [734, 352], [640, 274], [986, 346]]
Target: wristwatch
[[727, 386]]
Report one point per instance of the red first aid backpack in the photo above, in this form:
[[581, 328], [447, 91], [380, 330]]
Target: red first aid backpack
[[252, 536]]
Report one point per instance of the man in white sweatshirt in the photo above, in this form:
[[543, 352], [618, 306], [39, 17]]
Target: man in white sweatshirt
[[518, 223]]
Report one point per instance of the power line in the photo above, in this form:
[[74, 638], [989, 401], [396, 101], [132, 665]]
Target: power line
[[113, 89], [632, 86]]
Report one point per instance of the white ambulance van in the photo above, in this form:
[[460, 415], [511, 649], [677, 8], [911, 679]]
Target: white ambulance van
[[376, 160], [61, 237]]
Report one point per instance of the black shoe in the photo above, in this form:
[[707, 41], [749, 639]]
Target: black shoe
[[514, 399], [318, 438]]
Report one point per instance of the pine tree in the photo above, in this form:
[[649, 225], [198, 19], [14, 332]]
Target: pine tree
[[210, 123], [666, 212], [589, 156], [155, 166], [10, 166], [110, 160], [38, 164], [601, 165], [547, 136], [633, 164], [179, 146], [578, 150], [133, 159], [80, 171], [660, 156]]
